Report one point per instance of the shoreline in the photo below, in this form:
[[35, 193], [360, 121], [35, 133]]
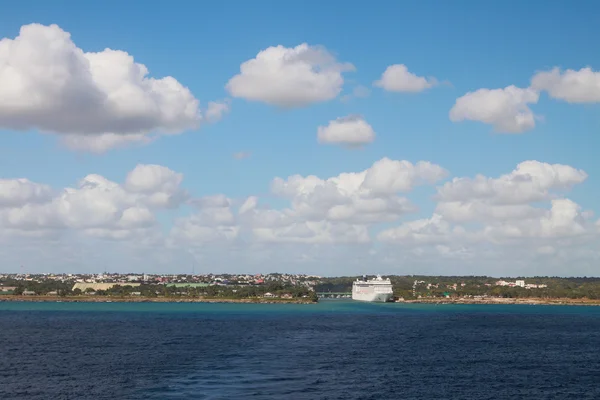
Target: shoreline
[[538, 301], [95, 299], [258, 300]]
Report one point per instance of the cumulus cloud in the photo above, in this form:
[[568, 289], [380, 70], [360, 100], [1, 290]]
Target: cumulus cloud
[[95, 205], [508, 197], [159, 184], [496, 218], [507, 110], [564, 220], [369, 196], [572, 86], [434, 230], [389, 176], [14, 192], [213, 222], [290, 77], [479, 224], [336, 210], [397, 78], [481, 210], [348, 131], [530, 181], [97, 101]]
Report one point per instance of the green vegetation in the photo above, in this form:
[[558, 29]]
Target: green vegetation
[[404, 287], [442, 286], [277, 289], [39, 288]]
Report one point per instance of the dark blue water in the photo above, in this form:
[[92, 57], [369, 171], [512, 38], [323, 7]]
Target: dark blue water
[[334, 350]]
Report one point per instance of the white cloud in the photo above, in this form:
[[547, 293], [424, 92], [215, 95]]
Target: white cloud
[[14, 192], [314, 232], [507, 197], [151, 178], [434, 230], [96, 205], [501, 221], [481, 210], [572, 86], [160, 184], [389, 176], [96, 100], [249, 204], [397, 78], [336, 210], [290, 77], [530, 181], [348, 131], [507, 110], [521, 222], [363, 197], [563, 220], [214, 222], [216, 110]]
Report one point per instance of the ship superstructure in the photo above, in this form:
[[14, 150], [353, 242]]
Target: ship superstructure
[[375, 290]]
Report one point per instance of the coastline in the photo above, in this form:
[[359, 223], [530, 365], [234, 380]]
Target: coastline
[[141, 299], [259, 300], [500, 300]]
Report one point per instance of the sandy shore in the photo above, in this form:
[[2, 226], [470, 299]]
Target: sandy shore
[[495, 300], [139, 299]]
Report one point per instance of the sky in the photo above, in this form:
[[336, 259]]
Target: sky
[[414, 137]]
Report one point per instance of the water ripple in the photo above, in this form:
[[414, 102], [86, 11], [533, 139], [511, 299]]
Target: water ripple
[[362, 352]]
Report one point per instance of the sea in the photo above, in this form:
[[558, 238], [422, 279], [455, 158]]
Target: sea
[[336, 349]]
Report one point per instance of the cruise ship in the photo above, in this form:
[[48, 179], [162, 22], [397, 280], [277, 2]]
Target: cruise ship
[[375, 290]]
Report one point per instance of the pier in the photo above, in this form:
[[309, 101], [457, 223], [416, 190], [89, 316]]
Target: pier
[[334, 295]]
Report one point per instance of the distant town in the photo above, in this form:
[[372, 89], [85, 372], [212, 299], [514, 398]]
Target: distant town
[[225, 286], [283, 287]]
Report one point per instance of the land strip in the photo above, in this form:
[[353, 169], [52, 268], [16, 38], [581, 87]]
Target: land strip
[[142, 299], [259, 300], [499, 300]]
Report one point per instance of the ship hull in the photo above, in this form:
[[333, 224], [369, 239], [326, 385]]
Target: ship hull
[[373, 297]]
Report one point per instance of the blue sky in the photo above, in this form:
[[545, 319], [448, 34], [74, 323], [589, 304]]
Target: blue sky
[[466, 45]]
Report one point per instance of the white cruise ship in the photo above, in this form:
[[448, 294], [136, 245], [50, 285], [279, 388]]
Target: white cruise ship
[[376, 290]]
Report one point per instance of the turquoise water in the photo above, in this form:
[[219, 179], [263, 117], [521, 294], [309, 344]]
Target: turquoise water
[[324, 306]]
